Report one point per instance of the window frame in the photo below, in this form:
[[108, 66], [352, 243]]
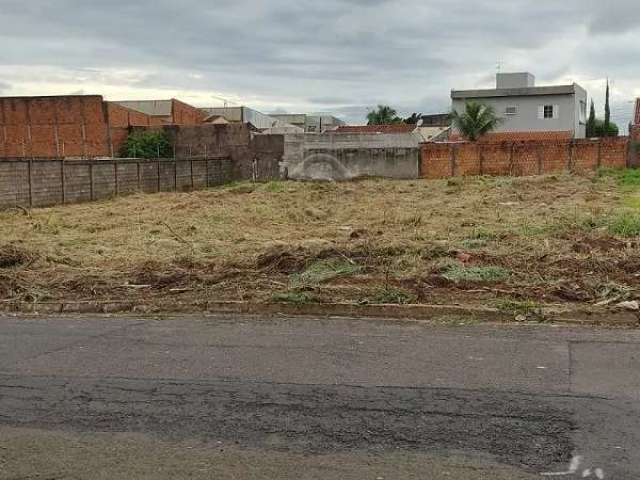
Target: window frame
[[514, 112]]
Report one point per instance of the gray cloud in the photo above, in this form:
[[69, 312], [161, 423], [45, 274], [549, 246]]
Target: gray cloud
[[346, 55]]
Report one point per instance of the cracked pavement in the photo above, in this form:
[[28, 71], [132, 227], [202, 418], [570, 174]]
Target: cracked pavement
[[248, 396]]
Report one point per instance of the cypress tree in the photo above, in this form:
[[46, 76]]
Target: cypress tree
[[591, 123], [607, 113]]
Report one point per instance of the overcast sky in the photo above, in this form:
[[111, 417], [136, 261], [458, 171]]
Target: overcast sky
[[339, 56]]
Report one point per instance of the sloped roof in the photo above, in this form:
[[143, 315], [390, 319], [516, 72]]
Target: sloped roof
[[397, 128], [155, 108]]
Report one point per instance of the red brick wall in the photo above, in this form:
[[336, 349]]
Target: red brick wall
[[73, 125], [499, 137], [184, 114], [441, 160]]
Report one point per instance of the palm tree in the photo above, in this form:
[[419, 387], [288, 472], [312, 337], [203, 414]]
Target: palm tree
[[383, 115], [477, 120], [413, 119]]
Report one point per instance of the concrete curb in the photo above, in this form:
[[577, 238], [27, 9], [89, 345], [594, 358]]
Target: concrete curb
[[583, 316]]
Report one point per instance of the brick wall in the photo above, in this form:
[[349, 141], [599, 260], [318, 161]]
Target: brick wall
[[69, 126], [72, 125], [500, 137], [255, 157], [184, 114], [208, 155], [441, 160], [634, 150], [83, 126], [47, 182]]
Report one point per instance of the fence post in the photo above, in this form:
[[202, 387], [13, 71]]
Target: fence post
[[572, 154], [540, 160], [29, 168], [62, 176], [158, 165], [627, 151], [92, 195], [481, 158], [599, 160], [511, 149], [115, 173], [191, 172], [206, 162], [175, 175], [139, 179], [452, 160], [569, 155]]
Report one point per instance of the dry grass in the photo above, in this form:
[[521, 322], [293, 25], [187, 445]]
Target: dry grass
[[558, 237]]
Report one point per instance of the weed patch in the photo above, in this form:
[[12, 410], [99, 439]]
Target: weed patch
[[323, 271], [274, 187], [459, 273], [527, 309], [625, 224], [293, 297], [392, 296]]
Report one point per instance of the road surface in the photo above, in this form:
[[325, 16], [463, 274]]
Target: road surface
[[246, 397]]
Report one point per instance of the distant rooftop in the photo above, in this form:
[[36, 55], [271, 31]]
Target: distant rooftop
[[517, 84], [396, 128], [155, 108]]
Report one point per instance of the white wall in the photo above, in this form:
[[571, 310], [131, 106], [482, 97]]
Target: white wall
[[526, 120]]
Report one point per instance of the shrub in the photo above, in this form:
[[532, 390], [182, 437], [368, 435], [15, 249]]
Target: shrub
[[147, 144]]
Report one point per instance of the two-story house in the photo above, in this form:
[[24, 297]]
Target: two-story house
[[530, 112]]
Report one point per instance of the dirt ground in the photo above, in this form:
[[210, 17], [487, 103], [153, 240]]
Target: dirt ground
[[512, 243], [34, 454]]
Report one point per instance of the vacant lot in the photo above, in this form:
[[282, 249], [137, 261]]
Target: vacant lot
[[514, 243]]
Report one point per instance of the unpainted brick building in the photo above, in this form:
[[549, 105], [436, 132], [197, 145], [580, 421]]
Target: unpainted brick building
[[75, 126]]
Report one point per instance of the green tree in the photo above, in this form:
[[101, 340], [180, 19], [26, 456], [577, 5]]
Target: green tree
[[607, 113], [602, 130], [477, 120], [383, 115], [147, 144], [413, 119], [591, 123]]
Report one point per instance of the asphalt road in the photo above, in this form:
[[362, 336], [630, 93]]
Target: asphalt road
[[242, 397]]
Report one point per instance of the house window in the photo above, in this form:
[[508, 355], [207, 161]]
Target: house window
[[512, 110], [583, 112], [548, 111]]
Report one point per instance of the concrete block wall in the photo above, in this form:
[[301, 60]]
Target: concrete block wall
[[442, 160], [336, 156], [48, 182], [254, 157]]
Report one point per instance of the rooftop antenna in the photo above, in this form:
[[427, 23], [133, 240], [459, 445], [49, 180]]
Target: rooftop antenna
[[226, 102]]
